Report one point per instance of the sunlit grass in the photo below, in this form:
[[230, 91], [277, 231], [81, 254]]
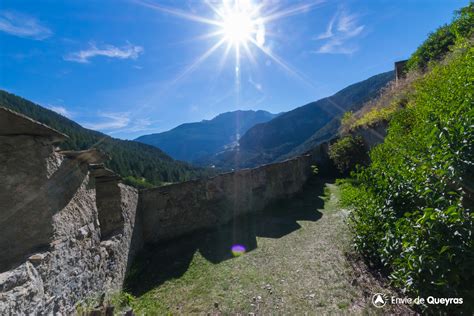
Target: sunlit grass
[[305, 271]]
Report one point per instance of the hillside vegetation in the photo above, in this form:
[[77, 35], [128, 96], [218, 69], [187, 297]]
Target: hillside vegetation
[[412, 206], [293, 132], [395, 95], [141, 165]]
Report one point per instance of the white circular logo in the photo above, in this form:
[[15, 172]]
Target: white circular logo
[[379, 300]]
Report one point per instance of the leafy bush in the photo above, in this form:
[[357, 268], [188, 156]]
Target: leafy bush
[[412, 207], [440, 41], [347, 118], [347, 152], [139, 183]]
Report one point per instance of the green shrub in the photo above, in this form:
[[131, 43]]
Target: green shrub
[[347, 118], [347, 152], [439, 42], [412, 207], [139, 183]]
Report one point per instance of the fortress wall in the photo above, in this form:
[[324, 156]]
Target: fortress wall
[[53, 251], [174, 210], [79, 263], [70, 228], [27, 166]]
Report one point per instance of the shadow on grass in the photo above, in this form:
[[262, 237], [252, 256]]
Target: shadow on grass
[[161, 262]]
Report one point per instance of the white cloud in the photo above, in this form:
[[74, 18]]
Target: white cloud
[[112, 121], [60, 110], [328, 33], [21, 25], [121, 122], [137, 125], [124, 52], [342, 28]]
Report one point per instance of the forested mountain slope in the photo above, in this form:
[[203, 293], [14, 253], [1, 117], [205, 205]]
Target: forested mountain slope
[[267, 142], [130, 159]]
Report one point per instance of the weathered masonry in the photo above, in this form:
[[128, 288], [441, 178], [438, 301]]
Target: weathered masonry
[[53, 252], [69, 228], [177, 209]]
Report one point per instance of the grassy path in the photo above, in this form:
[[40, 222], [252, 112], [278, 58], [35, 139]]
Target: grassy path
[[295, 265]]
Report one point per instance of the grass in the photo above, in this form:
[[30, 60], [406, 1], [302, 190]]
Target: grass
[[296, 266], [391, 99]]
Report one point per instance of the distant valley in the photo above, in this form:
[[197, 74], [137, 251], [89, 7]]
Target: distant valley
[[264, 137], [194, 142]]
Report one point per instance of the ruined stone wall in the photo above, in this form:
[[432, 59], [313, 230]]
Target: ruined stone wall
[[79, 264], [70, 228], [53, 253], [178, 209], [28, 169]]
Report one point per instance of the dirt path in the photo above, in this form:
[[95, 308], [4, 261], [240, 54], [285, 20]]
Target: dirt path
[[295, 264]]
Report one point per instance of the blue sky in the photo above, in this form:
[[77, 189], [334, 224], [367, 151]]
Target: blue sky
[[125, 67]]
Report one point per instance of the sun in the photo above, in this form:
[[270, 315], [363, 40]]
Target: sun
[[237, 28], [239, 23]]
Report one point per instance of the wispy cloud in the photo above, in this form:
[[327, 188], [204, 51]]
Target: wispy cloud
[[60, 110], [137, 125], [110, 121], [22, 25], [341, 29], [110, 51], [121, 122]]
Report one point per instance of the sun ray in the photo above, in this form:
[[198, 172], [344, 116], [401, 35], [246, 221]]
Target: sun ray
[[200, 37], [284, 65], [224, 57], [238, 23], [197, 62], [249, 54], [290, 11], [177, 13]]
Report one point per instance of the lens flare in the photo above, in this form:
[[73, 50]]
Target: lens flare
[[238, 250], [240, 25]]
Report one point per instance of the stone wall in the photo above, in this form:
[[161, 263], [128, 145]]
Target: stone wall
[[53, 253], [178, 209], [70, 228], [79, 263], [400, 70]]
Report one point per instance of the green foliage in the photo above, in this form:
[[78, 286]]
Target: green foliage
[[347, 152], [298, 131], [376, 115], [314, 169], [347, 117], [128, 158], [412, 207], [139, 183], [439, 42]]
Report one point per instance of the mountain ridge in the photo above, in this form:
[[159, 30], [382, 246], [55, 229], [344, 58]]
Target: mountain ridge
[[192, 141], [138, 162], [285, 135]]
